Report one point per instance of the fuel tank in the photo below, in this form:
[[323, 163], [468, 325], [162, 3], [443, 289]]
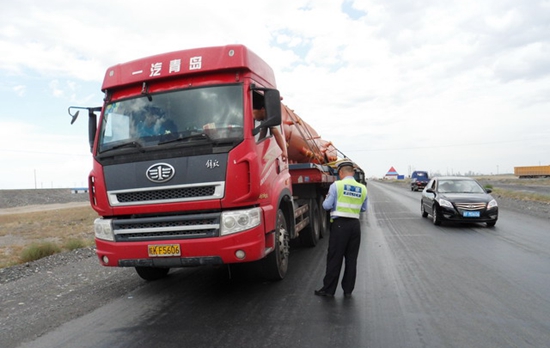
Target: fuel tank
[[304, 144]]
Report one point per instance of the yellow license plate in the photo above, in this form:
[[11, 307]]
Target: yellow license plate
[[164, 250]]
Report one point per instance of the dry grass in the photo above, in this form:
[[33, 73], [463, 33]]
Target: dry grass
[[511, 179], [522, 196], [65, 228]]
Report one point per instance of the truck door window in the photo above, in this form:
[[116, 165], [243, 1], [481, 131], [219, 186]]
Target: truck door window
[[258, 112]]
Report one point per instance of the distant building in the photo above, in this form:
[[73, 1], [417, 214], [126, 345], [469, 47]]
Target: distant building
[[391, 174], [79, 190]]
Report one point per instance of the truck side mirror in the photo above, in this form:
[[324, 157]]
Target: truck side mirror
[[92, 121], [92, 127], [272, 105]]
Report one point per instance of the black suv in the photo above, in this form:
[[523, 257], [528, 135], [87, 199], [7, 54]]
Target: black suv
[[419, 179]]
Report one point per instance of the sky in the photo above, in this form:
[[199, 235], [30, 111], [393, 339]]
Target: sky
[[450, 87]]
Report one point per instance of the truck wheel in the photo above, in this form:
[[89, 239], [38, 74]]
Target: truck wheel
[[275, 264], [324, 218], [152, 273], [310, 234]]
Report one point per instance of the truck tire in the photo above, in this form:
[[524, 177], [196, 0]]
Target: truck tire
[[324, 217], [152, 273], [311, 233], [275, 265]]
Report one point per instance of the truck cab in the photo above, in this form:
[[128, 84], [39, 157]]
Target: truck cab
[[185, 175]]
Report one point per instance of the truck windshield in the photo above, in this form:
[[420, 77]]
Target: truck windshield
[[212, 114]]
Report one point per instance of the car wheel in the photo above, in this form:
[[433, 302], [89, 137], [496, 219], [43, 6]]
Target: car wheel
[[424, 214], [435, 216], [491, 224]]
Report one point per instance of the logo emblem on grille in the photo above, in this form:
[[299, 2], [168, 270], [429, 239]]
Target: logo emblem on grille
[[160, 172]]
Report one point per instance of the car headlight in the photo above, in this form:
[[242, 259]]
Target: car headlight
[[240, 220], [445, 203], [492, 204], [103, 229]]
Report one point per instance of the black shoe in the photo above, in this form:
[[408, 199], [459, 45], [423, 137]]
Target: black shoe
[[323, 293], [347, 295]]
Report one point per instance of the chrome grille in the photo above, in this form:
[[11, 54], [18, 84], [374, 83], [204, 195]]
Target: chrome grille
[[167, 194], [167, 227], [156, 195], [471, 206]]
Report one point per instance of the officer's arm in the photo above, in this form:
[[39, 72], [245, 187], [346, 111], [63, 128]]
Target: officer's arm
[[330, 201]]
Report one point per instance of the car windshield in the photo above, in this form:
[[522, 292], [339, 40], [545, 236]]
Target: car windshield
[[460, 186], [176, 118]]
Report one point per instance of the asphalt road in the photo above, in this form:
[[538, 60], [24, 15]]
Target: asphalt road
[[419, 285]]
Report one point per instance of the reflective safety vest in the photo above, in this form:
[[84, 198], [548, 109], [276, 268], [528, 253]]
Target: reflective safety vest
[[350, 197]]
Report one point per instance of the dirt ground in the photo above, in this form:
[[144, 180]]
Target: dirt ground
[[61, 217]]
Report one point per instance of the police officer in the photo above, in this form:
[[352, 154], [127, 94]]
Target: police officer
[[346, 200]]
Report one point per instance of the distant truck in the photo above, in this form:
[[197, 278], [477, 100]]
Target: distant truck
[[532, 172], [206, 182], [419, 180]]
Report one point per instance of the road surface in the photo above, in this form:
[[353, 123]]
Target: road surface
[[419, 285]]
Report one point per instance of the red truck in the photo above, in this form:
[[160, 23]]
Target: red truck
[[183, 175]]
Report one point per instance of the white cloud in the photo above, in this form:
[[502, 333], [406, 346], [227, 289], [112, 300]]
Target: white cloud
[[19, 90], [430, 85]]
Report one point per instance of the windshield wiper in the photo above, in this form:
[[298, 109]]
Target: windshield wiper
[[201, 136], [132, 143]]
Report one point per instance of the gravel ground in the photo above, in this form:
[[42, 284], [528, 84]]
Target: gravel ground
[[38, 296], [23, 198], [541, 210]]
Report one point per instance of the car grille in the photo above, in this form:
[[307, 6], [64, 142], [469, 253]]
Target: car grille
[[471, 206]]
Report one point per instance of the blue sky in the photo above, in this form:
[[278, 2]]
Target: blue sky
[[443, 86]]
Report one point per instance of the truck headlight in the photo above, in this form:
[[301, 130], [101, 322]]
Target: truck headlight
[[240, 220], [103, 229]]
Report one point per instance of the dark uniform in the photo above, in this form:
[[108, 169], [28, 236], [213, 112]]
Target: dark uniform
[[346, 199]]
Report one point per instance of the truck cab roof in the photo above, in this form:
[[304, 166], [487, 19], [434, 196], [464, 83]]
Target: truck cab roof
[[189, 62]]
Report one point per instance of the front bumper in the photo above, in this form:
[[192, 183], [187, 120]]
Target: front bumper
[[457, 215], [194, 252]]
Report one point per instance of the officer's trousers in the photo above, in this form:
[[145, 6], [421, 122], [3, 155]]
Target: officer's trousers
[[344, 242]]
